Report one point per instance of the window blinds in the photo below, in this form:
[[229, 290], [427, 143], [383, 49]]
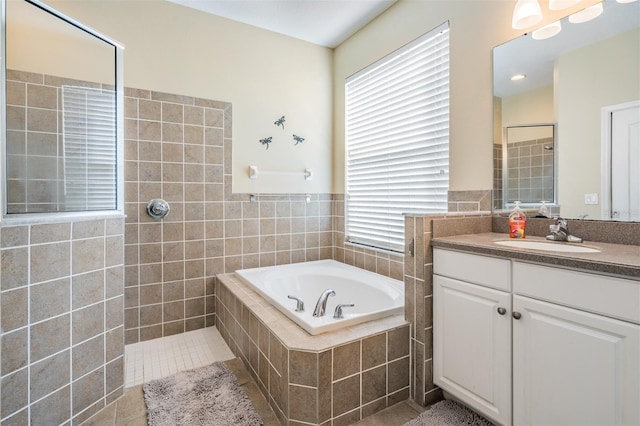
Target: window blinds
[[89, 140], [397, 141]]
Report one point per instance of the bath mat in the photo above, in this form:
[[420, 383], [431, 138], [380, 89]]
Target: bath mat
[[207, 395], [449, 413]]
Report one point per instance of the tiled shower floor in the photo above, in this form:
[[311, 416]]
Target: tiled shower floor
[[154, 359]]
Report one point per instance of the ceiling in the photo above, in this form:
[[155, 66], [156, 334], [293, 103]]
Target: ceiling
[[324, 22]]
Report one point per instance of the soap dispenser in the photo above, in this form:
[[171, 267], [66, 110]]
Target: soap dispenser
[[517, 222], [543, 211]]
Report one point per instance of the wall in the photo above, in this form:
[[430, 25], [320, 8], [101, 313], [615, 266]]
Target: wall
[[418, 291], [174, 49], [532, 107], [179, 148], [62, 320], [476, 27], [588, 79]]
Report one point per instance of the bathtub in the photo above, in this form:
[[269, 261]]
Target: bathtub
[[374, 296]]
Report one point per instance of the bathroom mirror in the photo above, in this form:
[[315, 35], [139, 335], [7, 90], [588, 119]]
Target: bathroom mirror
[[578, 80], [62, 97]]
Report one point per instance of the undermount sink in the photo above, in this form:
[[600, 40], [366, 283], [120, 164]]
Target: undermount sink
[[550, 246]]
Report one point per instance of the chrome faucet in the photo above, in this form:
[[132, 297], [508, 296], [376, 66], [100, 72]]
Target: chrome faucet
[[321, 305], [560, 232]]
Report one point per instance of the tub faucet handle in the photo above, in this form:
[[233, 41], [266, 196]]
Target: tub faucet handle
[[299, 304], [338, 312]]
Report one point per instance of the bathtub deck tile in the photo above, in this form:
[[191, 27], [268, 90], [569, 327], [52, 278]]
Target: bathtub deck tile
[[311, 400]]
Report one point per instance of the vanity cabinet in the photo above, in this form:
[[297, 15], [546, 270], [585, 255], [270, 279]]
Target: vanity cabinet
[[472, 331], [569, 346]]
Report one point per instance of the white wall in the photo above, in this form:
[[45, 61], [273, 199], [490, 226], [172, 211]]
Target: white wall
[[588, 79], [175, 49], [532, 107], [476, 27]]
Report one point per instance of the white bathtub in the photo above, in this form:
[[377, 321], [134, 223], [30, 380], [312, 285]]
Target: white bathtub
[[375, 296]]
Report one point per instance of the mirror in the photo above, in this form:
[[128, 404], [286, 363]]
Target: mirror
[[61, 144], [583, 81]]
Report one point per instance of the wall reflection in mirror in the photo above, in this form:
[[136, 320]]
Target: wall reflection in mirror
[[61, 122], [584, 81]]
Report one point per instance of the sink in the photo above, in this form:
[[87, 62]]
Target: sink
[[548, 246]]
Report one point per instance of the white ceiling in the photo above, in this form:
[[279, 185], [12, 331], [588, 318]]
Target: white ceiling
[[323, 22]]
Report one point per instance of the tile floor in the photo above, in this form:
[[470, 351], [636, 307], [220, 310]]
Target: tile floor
[[158, 358]]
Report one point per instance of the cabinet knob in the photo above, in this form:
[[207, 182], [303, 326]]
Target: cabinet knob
[[502, 310], [517, 315]]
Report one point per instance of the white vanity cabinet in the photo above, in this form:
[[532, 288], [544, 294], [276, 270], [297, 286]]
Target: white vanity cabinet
[[576, 348], [565, 352], [472, 331]]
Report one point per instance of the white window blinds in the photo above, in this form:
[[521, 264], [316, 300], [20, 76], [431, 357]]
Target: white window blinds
[[89, 138], [397, 141]]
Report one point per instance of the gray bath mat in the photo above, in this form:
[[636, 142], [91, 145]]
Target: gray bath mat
[[207, 395], [449, 413]]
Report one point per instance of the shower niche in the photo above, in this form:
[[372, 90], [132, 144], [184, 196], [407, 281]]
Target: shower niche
[[63, 97]]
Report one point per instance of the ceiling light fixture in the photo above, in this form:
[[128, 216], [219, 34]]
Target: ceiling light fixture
[[626, 1], [561, 4], [517, 77], [526, 14], [587, 14], [547, 31]]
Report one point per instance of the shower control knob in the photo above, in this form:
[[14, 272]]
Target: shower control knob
[[158, 208], [502, 310]]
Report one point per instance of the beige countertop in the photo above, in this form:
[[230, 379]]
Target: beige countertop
[[613, 259]]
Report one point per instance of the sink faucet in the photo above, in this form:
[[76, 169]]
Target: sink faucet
[[560, 232], [321, 305]]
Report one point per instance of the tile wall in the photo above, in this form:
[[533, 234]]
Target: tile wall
[[497, 177], [35, 178], [62, 347], [179, 148], [419, 291], [530, 171]]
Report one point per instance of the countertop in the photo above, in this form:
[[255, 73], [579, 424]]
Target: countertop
[[613, 259]]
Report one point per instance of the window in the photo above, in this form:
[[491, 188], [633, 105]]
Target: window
[[397, 141], [89, 132]]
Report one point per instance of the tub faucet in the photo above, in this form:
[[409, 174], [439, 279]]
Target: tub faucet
[[321, 305], [560, 232]]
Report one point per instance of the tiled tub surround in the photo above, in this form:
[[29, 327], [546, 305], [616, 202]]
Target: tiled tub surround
[[335, 378], [62, 320], [419, 290]]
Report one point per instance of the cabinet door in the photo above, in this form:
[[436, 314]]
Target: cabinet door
[[472, 345], [573, 368]]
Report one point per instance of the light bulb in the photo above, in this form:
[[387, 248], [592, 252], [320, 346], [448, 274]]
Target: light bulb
[[526, 14], [587, 14], [547, 31], [561, 4]]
